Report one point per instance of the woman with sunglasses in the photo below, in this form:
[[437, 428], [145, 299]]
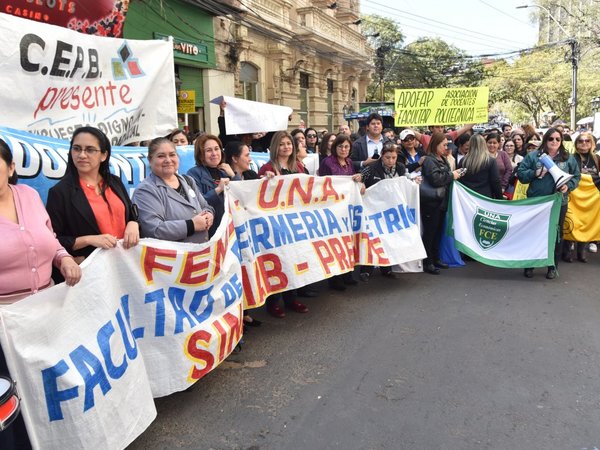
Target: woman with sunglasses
[[589, 164], [411, 154], [89, 207], [541, 183]]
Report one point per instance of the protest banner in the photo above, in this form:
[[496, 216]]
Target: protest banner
[[41, 161], [102, 18], [285, 247], [142, 323], [152, 320], [582, 222], [509, 234], [245, 116], [450, 106], [56, 80]]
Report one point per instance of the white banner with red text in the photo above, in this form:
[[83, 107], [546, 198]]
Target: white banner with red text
[[56, 80], [296, 230], [152, 320]]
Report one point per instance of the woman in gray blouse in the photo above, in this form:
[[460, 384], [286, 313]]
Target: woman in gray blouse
[[171, 207]]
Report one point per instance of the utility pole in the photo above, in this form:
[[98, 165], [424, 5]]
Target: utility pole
[[574, 62]]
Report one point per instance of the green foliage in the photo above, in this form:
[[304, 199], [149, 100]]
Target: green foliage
[[426, 63]]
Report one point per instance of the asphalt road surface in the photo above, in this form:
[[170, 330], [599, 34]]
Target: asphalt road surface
[[476, 358]]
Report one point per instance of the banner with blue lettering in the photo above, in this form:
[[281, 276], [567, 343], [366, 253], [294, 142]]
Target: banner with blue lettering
[[142, 323], [296, 230], [41, 161], [152, 320]]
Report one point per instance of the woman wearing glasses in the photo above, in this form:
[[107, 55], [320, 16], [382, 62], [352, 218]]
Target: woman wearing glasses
[[589, 164], [542, 183], [89, 207]]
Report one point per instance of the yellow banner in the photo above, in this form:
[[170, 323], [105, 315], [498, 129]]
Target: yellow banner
[[186, 102], [418, 107], [582, 223]]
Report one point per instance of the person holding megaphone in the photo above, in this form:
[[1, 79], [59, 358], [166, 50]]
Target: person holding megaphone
[[551, 169]]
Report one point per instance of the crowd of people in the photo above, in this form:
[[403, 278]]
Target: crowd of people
[[89, 207]]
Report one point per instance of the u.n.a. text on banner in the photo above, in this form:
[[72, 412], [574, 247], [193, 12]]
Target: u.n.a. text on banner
[[54, 80]]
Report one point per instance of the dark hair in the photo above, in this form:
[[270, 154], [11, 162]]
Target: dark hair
[[504, 125], [462, 139], [562, 151], [339, 140], [104, 169], [436, 139], [199, 147], [233, 149], [323, 144], [311, 129], [175, 132], [491, 136], [156, 143], [374, 116], [389, 147], [295, 131], [7, 156]]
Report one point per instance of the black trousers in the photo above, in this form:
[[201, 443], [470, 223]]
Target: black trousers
[[432, 219]]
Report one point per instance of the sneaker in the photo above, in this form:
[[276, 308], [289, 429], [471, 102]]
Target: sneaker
[[364, 276], [528, 273], [592, 247], [552, 274]]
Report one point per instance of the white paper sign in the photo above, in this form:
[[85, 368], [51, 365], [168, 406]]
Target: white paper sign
[[245, 116]]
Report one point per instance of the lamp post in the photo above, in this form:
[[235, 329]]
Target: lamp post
[[574, 61]]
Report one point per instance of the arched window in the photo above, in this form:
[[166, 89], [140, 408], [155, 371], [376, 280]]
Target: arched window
[[249, 81]]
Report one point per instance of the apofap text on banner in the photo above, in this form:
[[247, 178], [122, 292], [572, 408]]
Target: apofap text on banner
[[447, 106], [57, 80], [296, 230]]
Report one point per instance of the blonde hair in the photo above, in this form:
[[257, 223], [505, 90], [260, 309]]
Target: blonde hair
[[478, 154]]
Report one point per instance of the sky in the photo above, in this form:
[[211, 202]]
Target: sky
[[480, 27]]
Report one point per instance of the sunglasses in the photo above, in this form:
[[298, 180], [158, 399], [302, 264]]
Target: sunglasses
[[311, 135], [557, 139], [584, 140], [409, 138]]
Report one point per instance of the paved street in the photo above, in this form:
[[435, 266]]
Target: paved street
[[477, 358]]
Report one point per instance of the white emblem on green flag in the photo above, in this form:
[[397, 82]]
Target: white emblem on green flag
[[489, 227]]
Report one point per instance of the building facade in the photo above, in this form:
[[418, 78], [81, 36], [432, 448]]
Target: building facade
[[309, 55]]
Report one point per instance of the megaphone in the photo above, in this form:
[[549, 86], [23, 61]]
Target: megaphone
[[560, 177]]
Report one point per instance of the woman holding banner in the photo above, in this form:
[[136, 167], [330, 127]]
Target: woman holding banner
[[541, 182], [211, 174], [90, 207], [589, 164], [29, 251], [283, 161], [171, 206], [436, 174]]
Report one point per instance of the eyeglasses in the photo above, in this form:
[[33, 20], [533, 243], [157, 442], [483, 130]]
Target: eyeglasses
[[556, 139], [584, 140], [88, 150], [344, 147], [311, 135]]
